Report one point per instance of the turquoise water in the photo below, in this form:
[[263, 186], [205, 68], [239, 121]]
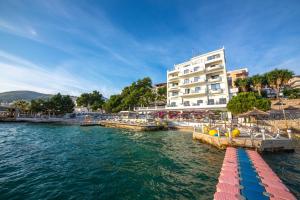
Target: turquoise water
[[39, 161]]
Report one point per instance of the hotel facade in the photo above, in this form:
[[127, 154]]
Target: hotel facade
[[199, 83]]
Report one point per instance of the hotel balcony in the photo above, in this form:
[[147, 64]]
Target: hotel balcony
[[213, 60], [174, 96], [191, 72], [173, 78], [214, 68], [211, 80], [190, 83], [193, 93], [218, 91], [173, 88], [173, 71]]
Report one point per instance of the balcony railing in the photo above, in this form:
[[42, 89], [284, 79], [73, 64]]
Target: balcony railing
[[172, 71], [214, 67], [216, 91], [191, 72], [214, 79], [192, 82], [213, 60], [193, 92], [173, 78]]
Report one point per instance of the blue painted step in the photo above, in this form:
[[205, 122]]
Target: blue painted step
[[249, 179]]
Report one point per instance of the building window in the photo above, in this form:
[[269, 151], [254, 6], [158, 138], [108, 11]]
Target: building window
[[174, 94], [211, 102], [197, 89], [186, 91], [213, 57], [196, 79], [186, 81], [173, 104], [186, 103], [186, 71], [214, 76], [215, 86], [199, 102], [222, 101], [196, 69]]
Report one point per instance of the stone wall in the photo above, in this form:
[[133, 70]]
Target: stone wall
[[283, 124], [287, 102]]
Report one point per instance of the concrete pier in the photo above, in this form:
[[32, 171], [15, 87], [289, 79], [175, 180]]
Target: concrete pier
[[259, 144], [131, 126]]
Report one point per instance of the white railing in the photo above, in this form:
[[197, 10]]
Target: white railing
[[191, 72], [210, 68], [216, 91], [191, 82], [149, 108], [214, 79]]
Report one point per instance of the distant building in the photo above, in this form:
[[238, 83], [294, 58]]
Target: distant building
[[159, 85], [294, 83], [233, 75]]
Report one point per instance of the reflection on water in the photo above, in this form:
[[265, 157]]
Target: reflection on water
[[39, 161]]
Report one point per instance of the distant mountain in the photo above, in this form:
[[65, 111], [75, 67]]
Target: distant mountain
[[8, 97]]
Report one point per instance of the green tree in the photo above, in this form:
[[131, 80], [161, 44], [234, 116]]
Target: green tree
[[94, 100], [22, 106], [258, 82], [56, 105], [113, 104], [246, 101], [162, 94], [37, 106], [292, 93], [243, 84], [139, 93], [278, 78]]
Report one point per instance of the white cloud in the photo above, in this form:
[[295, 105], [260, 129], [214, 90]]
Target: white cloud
[[20, 74]]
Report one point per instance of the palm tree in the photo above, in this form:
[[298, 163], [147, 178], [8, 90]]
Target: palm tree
[[279, 78], [258, 81], [21, 105], [243, 84]]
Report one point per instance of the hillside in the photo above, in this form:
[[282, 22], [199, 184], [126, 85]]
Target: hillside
[[11, 96]]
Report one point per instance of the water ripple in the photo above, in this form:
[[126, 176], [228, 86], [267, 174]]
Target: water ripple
[[39, 161]]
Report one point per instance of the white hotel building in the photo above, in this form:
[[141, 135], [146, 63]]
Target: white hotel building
[[199, 83]]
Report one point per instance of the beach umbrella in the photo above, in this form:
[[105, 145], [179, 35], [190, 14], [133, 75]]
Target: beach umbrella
[[292, 108], [255, 113]]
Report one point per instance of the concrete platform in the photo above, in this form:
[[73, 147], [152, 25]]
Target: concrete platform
[[257, 143], [136, 127]]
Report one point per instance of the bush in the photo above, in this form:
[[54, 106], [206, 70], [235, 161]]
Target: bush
[[246, 101], [292, 93]]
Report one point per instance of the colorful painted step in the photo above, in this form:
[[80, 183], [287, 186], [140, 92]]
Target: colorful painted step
[[245, 175]]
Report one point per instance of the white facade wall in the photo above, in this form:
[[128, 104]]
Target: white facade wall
[[200, 82]]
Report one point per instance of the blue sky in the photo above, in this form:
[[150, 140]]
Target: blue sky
[[79, 46]]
